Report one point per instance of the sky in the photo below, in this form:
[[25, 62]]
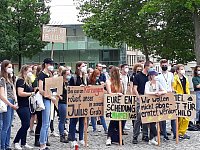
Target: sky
[[63, 12]]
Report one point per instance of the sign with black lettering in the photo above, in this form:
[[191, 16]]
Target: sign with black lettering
[[157, 108], [120, 107], [85, 101], [186, 105]]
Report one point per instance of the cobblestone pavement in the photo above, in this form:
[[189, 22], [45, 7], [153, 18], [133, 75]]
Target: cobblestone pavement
[[98, 142]]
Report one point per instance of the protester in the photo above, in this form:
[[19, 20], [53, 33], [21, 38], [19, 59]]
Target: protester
[[6, 118], [104, 71], [94, 80], [113, 85], [139, 82], [196, 84], [181, 86], [45, 73], [78, 79], [102, 77], [153, 87], [166, 78], [24, 91], [89, 72]]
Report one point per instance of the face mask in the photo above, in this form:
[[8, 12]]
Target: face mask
[[50, 68], [9, 70], [156, 78], [164, 68], [97, 78], [104, 70], [198, 72], [29, 74], [126, 70], [182, 72], [83, 69], [68, 77], [138, 71]]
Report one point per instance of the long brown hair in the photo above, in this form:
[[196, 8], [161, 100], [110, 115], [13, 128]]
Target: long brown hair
[[92, 78], [21, 75], [78, 64], [115, 79], [4, 73]]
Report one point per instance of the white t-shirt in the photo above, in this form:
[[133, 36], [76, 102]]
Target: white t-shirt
[[166, 79], [124, 79], [153, 88]]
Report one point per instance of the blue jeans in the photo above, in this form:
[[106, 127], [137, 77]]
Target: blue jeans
[[6, 119], [62, 108], [72, 128], [45, 121], [25, 116], [173, 125], [94, 123], [163, 128], [197, 105]]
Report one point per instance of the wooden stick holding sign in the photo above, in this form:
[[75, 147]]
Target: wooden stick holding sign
[[85, 130], [120, 133], [158, 133]]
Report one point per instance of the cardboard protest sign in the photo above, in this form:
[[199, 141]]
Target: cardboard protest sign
[[186, 105], [85, 101], [54, 34], [53, 83], [157, 108], [120, 107]]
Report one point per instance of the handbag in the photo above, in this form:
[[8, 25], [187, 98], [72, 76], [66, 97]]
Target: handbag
[[36, 102], [3, 106]]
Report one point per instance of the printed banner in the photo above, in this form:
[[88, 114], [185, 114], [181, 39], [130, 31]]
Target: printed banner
[[85, 101], [186, 105], [157, 108], [120, 107], [54, 34]]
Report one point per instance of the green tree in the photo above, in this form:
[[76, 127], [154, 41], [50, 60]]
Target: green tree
[[24, 25]]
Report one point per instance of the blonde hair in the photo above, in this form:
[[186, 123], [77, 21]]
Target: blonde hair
[[26, 79]]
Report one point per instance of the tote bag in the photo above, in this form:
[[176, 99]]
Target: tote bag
[[3, 106]]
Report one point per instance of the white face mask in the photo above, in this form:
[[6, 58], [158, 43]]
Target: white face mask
[[104, 70], [126, 70], [50, 68], [198, 72], [84, 69], [182, 72], [29, 74], [9, 70]]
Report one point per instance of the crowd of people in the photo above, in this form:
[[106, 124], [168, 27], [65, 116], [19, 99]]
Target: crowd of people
[[16, 90]]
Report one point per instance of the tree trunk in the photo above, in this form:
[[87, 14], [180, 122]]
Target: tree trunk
[[20, 61], [197, 36], [146, 53]]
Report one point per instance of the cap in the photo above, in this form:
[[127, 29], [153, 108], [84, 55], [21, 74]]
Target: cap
[[48, 61], [152, 71], [103, 66]]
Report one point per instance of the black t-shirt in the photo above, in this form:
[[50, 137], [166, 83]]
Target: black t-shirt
[[23, 101], [64, 95], [140, 80], [132, 77], [78, 81], [42, 77], [183, 82]]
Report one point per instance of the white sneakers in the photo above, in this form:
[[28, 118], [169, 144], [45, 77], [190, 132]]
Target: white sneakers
[[153, 142], [74, 143], [18, 147], [54, 134], [108, 142], [126, 128]]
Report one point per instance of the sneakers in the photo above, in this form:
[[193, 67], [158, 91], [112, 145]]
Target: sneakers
[[73, 144], [82, 143], [153, 142], [65, 133], [17, 146], [145, 138], [126, 128], [63, 139], [135, 141], [31, 132], [108, 142], [27, 146], [54, 134], [187, 137], [166, 138]]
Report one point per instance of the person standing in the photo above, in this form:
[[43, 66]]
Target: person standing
[[166, 78], [196, 84], [6, 118], [139, 82], [45, 73], [181, 86], [102, 77], [24, 91], [78, 79]]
